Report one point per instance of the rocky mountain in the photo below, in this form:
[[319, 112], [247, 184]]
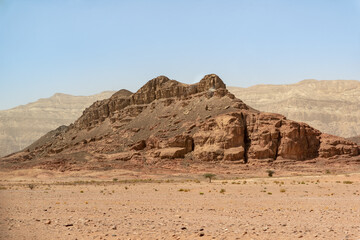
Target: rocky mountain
[[22, 125], [330, 106], [166, 120]]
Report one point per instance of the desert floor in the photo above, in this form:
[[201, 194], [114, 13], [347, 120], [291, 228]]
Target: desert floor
[[183, 207]]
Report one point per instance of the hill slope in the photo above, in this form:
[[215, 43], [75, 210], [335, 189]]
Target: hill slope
[[330, 106], [22, 125]]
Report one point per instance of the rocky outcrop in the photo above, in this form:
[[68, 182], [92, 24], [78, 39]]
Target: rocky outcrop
[[168, 120], [156, 89], [332, 106], [334, 146], [219, 134], [244, 136]]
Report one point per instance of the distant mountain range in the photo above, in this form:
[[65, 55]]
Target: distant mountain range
[[22, 125], [332, 106]]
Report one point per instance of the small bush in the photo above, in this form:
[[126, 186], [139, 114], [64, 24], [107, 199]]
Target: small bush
[[201, 193], [115, 179], [269, 193], [209, 176], [282, 190], [270, 173], [222, 191], [348, 182], [184, 190], [31, 186]]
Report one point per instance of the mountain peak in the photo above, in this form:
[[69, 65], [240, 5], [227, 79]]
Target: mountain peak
[[210, 81]]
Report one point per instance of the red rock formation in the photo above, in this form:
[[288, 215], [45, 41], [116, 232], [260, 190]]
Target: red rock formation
[[166, 119]]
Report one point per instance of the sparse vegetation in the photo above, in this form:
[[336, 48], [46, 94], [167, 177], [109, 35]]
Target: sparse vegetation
[[282, 190], [222, 191], [115, 179], [348, 182], [201, 193], [270, 172], [31, 186], [184, 190], [210, 176]]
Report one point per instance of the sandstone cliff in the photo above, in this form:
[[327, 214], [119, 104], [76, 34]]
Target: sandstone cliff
[[331, 106], [22, 125], [166, 119]]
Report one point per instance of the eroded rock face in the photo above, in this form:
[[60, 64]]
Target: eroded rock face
[[156, 89], [218, 134], [334, 146], [244, 136], [168, 120], [332, 106]]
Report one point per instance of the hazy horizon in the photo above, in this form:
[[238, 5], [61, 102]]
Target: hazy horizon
[[86, 47]]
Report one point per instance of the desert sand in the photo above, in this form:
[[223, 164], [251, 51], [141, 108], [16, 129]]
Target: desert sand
[[120, 205]]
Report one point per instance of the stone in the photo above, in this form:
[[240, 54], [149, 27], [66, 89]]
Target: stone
[[234, 154], [171, 153]]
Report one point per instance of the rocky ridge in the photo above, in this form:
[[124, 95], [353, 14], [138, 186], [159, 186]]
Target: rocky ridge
[[166, 119]]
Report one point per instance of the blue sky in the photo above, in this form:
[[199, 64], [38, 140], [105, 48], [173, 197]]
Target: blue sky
[[82, 47]]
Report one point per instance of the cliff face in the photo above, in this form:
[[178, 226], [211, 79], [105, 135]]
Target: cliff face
[[332, 106], [167, 120], [23, 125]]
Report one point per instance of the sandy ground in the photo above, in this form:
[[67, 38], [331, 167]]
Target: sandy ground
[[308, 207]]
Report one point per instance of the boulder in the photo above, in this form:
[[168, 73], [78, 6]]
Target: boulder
[[171, 153]]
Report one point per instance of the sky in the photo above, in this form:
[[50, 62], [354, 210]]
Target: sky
[[83, 47]]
